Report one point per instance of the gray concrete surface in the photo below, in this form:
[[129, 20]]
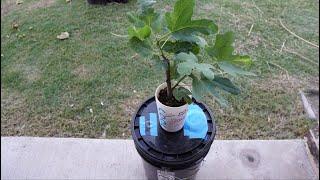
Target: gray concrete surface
[[72, 158]]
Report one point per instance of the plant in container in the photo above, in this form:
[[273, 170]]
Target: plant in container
[[173, 41]]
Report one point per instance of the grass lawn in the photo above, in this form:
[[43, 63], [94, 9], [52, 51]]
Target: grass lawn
[[90, 84]]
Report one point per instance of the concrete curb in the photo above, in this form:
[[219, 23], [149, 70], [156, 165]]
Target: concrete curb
[[73, 158]]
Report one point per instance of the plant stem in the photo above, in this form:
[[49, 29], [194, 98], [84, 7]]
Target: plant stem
[[168, 77], [164, 36], [165, 42], [178, 82]]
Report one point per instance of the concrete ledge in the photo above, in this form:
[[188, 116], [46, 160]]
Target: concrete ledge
[[72, 158]]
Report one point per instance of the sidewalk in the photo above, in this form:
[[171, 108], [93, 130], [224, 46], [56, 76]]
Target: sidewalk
[[72, 158]]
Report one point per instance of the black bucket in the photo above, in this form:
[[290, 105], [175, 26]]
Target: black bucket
[[177, 155]]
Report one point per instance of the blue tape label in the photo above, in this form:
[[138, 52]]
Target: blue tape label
[[142, 124], [153, 124]]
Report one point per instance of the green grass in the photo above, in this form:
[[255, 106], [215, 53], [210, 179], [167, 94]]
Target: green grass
[[49, 86]]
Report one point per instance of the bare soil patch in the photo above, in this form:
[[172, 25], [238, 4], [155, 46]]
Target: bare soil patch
[[10, 5], [281, 82], [83, 71], [7, 6], [41, 4], [208, 7], [13, 113], [32, 73], [128, 108], [130, 105], [252, 42]]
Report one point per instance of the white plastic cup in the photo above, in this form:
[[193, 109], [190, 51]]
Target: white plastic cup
[[171, 119]]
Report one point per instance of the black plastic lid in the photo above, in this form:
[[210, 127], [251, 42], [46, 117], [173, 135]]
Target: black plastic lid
[[166, 149]]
